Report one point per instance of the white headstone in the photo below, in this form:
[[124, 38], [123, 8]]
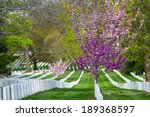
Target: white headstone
[[4, 93], [8, 92], [0, 93]]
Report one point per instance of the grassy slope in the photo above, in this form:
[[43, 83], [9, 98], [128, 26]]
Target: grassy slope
[[25, 76], [38, 75], [130, 77], [74, 76], [63, 75], [83, 91], [49, 76], [143, 76], [110, 92], [116, 77]]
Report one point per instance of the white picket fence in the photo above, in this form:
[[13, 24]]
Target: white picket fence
[[145, 86]]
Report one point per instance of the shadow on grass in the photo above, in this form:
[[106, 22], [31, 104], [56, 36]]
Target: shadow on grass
[[83, 91], [110, 92]]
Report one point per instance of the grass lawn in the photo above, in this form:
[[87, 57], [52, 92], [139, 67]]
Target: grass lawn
[[26, 76], [63, 75], [143, 76], [49, 76], [74, 76], [132, 78], [116, 77], [110, 92], [38, 75], [83, 91]]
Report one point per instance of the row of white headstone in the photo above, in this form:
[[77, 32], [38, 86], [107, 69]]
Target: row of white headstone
[[17, 78], [126, 79], [75, 67], [19, 63], [19, 88], [25, 88], [98, 94], [145, 86]]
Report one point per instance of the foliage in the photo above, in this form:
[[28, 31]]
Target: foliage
[[59, 67], [5, 59], [98, 55], [100, 34], [48, 31], [137, 53], [13, 31], [72, 49], [16, 43]]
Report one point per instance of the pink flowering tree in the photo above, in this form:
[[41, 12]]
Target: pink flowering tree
[[59, 67], [100, 33]]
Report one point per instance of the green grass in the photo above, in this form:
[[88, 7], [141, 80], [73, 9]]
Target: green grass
[[49, 76], [74, 76], [143, 76], [110, 92], [116, 77], [83, 91], [38, 75], [130, 77], [63, 75], [26, 76]]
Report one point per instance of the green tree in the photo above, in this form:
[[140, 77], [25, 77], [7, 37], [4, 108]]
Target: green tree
[[138, 52], [72, 49], [14, 30]]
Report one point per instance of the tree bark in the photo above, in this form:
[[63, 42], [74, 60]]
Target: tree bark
[[147, 71], [96, 79], [35, 64], [27, 59]]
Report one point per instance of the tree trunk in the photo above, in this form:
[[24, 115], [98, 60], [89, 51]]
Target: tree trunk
[[96, 79], [27, 59], [35, 64], [147, 71]]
